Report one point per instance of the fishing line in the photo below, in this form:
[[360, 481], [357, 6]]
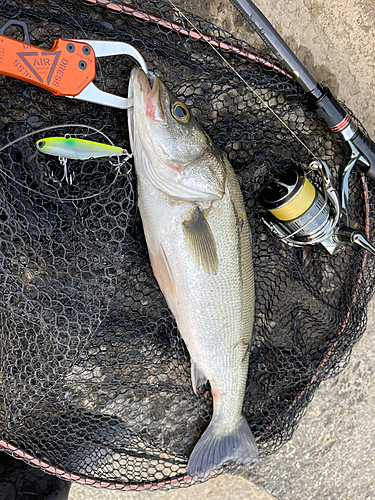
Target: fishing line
[[59, 6], [244, 81], [53, 127]]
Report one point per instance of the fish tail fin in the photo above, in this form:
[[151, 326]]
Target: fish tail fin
[[214, 449]]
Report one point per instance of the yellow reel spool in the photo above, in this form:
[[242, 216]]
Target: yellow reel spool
[[298, 205]]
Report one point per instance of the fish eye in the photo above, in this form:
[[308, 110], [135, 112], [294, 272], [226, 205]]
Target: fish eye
[[180, 112], [41, 144]]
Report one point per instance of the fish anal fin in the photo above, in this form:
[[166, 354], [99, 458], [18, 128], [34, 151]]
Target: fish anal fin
[[215, 448], [162, 271], [201, 241], [197, 376]]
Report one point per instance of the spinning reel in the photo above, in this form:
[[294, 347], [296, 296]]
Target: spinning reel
[[300, 214]]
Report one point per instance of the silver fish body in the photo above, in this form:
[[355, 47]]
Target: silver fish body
[[199, 244]]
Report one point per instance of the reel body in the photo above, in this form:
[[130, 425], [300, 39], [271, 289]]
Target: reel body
[[300, 214]]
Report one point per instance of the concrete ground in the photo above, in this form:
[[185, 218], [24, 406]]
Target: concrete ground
[[332, 453]]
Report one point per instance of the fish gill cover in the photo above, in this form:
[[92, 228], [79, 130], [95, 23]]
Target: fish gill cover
[[95, 379]]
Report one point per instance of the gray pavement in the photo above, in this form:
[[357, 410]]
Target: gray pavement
[[332, 453]]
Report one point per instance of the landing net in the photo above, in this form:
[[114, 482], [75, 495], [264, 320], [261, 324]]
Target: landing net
[[95, 379]]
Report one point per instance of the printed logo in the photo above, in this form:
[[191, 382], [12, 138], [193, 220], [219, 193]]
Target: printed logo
[[41, 64]]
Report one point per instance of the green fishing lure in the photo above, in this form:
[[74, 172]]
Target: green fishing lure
[[77, 149]]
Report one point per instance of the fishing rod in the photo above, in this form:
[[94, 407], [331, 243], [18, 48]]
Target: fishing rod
[[298, 213], [320, 98]]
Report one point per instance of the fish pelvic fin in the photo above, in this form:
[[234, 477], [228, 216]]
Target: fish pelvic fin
[[162, 271], [201, 241], [197, 376], [214, 449]]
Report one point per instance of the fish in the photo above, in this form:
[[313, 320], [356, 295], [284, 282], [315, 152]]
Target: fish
[[199, 244], [77, 149]]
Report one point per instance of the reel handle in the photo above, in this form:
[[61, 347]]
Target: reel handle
[[346, 234]]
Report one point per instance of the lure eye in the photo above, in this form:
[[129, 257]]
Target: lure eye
[[41, 144], [180, 112]]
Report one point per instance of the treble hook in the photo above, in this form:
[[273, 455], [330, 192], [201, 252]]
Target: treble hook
[[64, 162]]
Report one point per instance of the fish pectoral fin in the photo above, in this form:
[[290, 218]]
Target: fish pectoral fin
[[201, 241], [197, 376]]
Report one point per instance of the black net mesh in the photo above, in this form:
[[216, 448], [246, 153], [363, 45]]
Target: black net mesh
[[95, 379]]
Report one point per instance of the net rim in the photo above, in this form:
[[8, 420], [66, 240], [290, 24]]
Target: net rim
[[183, 479], [192, 33]]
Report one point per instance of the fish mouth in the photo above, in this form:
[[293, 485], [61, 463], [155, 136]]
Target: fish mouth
[[138, 82], [144, 89], [148, 89]]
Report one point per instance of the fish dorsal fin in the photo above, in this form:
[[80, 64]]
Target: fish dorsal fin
[[201, 241], [197, 376]]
